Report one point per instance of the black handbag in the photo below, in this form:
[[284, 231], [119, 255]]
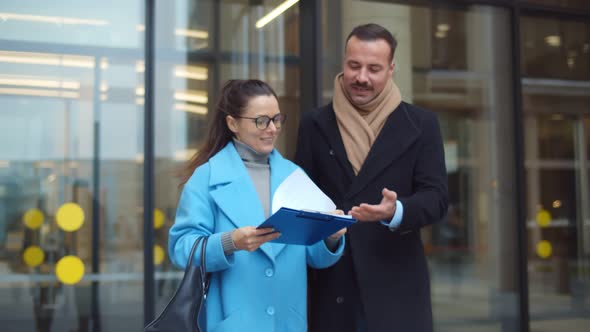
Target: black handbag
[[184, 312]]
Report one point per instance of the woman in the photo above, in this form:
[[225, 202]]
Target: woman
[[255, 285]]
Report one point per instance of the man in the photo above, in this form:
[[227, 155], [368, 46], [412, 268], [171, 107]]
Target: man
[[382, 160]]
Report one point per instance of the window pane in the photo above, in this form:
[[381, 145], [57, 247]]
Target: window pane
[[554, 48], [556, 107], [70, 166], [73, 23], [269, 53], [555, 137]]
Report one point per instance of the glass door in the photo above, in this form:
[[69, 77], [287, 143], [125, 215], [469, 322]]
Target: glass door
[[70, 177], [556, 106], [456, 62]]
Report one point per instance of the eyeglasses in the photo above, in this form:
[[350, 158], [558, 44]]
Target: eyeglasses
[[262, 122]]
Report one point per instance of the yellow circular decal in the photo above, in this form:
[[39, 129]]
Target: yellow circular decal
[[33, 218], [544, 249], [158, 255], [158, 218], [69, 270], [33, 256], [543, 218], [70, 217]]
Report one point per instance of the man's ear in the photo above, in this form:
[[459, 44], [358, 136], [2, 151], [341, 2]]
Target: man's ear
[[231, 123], [392, 67]]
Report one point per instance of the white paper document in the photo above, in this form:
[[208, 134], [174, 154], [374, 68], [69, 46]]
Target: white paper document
[[299, 192]]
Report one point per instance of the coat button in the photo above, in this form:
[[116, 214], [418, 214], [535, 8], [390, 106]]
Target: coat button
[[331, 152], [340, 299], [270, 310], [269, 272]]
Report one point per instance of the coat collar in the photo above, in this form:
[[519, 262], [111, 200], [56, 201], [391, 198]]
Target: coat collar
[[399, 132], [233, 191]]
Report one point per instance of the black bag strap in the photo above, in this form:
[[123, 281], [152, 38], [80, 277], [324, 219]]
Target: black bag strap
[[202, 266], [194, 248]]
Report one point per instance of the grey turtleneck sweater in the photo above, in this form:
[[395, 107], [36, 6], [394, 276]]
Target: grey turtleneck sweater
[[259, 170]]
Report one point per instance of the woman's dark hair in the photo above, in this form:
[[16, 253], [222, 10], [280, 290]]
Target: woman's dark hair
[[234, 98], [372, 32]]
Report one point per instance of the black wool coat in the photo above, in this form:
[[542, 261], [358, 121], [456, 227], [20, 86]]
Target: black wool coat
[[383, 272]]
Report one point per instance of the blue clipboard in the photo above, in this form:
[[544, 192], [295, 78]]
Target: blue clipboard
[[304, 227]]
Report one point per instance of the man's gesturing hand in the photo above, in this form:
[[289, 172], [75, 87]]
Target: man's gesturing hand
[[374, 213]]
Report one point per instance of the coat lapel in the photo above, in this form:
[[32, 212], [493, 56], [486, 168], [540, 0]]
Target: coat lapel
[[326, 120], [234, 193], [398, 134]]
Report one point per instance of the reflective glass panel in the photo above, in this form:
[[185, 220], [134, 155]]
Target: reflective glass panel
[[556, 107], [70, 166], [268, 50], [555, 49]]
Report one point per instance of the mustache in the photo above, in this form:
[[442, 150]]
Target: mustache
[[361, 85]]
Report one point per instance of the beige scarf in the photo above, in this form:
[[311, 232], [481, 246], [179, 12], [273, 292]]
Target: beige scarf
[[360, 125]]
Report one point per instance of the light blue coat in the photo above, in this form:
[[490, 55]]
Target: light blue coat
[[264, 290]]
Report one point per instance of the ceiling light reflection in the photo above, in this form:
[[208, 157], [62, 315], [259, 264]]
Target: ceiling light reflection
[[191, 72], [190, 33], [553, 40], [183, 155], [40, 93], [198, 97], [275, 13], [191, 108], [60, 20], [50, 59], [440, 34], [140, 66], [38, 83]]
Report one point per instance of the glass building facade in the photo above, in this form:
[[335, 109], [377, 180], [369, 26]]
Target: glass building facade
[[102, 101]]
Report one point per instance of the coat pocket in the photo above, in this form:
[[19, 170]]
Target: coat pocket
[[232, 323]]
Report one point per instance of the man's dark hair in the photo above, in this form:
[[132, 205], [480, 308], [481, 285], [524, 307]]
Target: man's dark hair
[[372, 32]]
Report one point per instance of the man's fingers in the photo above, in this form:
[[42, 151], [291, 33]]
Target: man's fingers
[[368, 212], [389, 194], [361, 214], [368, 208]]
